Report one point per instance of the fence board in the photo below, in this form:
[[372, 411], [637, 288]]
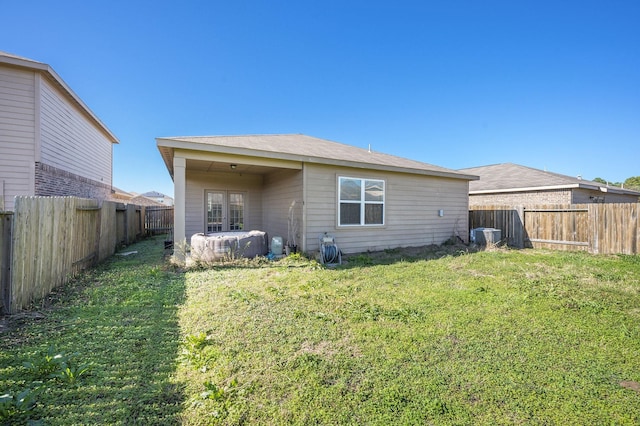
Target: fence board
[[505, 218], [51, 239], [133, 223], [54, 238], [6, 221], [158, 220], [561, 227], [108, 237], [616, 229], [597, 228]]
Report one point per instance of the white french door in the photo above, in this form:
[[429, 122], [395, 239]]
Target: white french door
[[225, 211]]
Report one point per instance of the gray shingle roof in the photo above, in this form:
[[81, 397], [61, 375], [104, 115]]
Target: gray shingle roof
[[22, 58], [154, 194], [509, 177], [309, 149]]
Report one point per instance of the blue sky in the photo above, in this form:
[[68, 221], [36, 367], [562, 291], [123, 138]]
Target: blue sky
[[546, 84]]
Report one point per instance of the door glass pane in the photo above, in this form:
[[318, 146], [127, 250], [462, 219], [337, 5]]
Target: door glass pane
[[236, 212], [215, 206]]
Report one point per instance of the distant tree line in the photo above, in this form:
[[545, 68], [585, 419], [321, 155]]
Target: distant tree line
[[629, 183]]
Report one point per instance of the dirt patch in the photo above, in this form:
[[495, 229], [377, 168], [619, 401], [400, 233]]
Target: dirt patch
[[329, 349], [321, 348], [630, 384], [432, 251]]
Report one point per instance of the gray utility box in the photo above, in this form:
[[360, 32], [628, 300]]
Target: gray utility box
[[486, 236]]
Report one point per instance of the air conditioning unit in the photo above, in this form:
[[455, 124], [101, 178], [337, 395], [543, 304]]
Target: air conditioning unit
[[485, 236]]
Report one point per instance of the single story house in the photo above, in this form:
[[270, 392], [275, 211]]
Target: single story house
[[511, 184], [120, 195], [141, 200], [51, 143], [158, 197], [300, 187]]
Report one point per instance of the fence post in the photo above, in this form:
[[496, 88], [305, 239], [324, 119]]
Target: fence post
[[126, 225], [593, 219], [518, 227], [6, 222]]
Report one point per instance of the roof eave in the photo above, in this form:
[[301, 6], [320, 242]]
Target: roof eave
[[47, 70], [167, 156], [616, 190], [525, 189], [167, 145], [555, 187]]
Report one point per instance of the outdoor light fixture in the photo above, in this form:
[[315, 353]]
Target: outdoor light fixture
[[233, 166]]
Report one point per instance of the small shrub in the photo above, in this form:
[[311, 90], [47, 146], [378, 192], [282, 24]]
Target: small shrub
[[45, 364], [16, 409], [223, 397], [196, 351], [70, 372], [57, 365]]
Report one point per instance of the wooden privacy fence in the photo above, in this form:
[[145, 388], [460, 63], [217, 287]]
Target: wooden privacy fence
[[158, 220], [6, 220], [596, 228], [129, 222], [47, 240]]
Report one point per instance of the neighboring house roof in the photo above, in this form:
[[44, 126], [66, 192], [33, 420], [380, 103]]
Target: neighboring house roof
[[302, 148], [141, 200], [154, 194], [509, 177], [21, 62], [120, 194]]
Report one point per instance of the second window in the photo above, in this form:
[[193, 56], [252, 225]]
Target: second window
[[361, 201]]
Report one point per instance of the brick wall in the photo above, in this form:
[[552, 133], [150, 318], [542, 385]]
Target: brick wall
[[558, 196], [586, 196], [54, 181]]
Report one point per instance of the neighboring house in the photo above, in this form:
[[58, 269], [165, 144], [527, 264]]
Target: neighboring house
[[141, 200], [147, 199], [120, 196], [51, 143], [159, 198], [273, 183], [513, 185]]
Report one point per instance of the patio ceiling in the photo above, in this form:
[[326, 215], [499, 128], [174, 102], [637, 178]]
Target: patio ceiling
[[227, 167]]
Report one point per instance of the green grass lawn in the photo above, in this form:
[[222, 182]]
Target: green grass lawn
[[420, 337]]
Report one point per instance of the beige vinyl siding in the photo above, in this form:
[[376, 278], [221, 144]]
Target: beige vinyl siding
[[197, 183], [411, 219], [69, 140], [281, 189], [17, 136]]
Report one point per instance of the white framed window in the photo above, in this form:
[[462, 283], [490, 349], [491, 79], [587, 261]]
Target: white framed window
[[360, 201]]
